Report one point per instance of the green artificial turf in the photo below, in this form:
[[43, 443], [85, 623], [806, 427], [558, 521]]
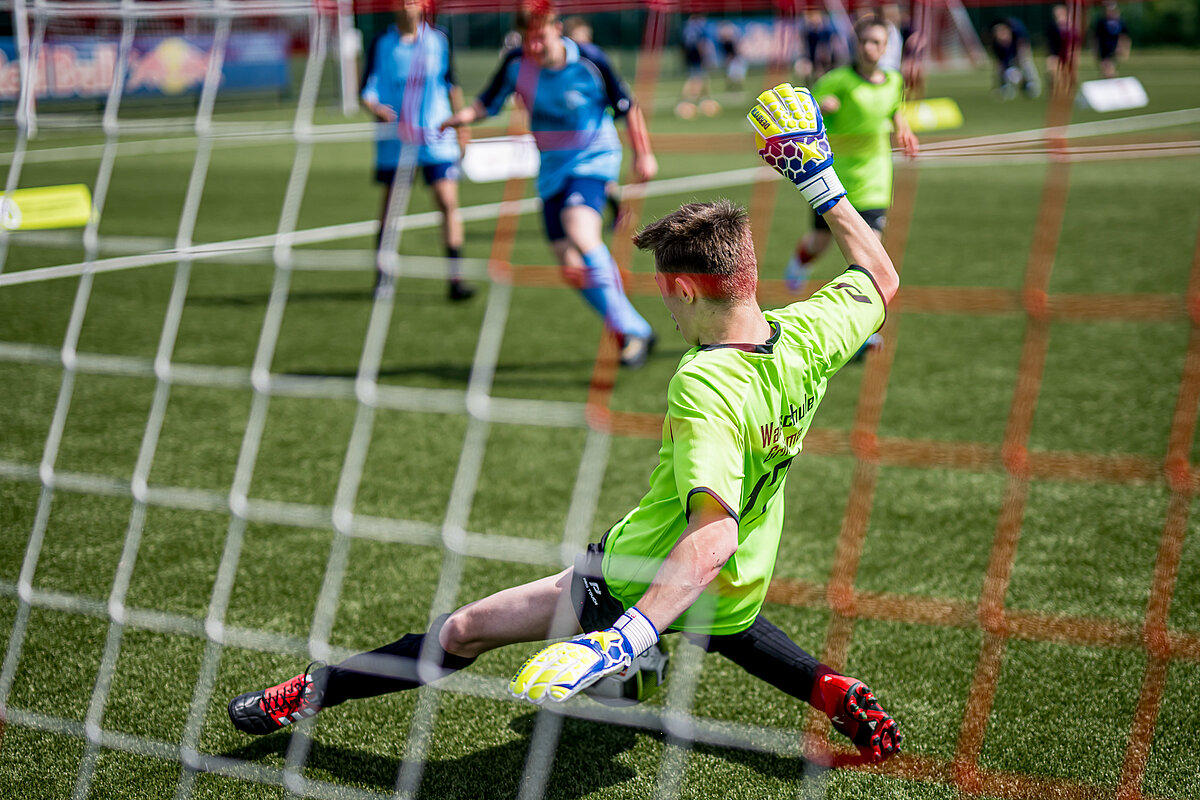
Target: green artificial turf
[[1087, 549]]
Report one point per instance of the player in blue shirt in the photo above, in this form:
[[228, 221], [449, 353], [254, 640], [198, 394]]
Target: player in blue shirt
[[409, 86], [569, 89]]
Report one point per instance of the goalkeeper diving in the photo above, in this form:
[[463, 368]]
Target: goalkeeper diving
[[695, 557]]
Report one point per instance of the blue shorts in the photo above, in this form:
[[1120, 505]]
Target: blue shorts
[[446, 170], [578, 192]]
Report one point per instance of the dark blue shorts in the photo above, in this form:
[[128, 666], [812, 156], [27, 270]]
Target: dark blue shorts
[[578, 192], [432, 173]]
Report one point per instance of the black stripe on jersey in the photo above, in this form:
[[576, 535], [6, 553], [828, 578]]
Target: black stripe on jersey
[[876, 285], [618, 96], [451, 75], [488, 95], [687, 508], [369, 67]]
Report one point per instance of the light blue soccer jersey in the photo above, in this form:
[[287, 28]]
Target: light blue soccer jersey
[[414, 78], [569, 112]]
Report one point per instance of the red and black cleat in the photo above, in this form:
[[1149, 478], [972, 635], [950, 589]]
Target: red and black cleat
[[855, 713], [268, 710]]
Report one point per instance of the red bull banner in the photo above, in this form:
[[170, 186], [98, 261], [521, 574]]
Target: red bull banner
[[71, 68]]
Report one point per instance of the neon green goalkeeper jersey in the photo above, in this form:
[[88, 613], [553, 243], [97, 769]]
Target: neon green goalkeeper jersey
[[736, 417], [860, 132]]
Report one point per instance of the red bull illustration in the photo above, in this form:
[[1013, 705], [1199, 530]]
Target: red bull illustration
[[174, 65]]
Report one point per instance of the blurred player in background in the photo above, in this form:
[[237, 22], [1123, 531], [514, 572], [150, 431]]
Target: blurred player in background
[[699, 56], [1112, 39], [823, 47], [730, 40], [1062, 39], [569, 89], [1014, 59], [861, 103], [410, 87], [894, 52], [697, 553], [579, 30], [912, 59]]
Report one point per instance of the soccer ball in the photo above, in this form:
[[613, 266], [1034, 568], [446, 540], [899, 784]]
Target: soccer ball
[[634, 684]]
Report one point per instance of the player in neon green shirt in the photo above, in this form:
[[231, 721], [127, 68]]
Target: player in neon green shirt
[[697, 553], [861, 104]]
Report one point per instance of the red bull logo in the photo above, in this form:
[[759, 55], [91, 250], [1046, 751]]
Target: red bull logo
[[174, 66], [63, 70]]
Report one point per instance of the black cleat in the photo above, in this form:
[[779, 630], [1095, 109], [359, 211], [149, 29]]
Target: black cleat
[[459, 291], [637, 349], [268, 710]]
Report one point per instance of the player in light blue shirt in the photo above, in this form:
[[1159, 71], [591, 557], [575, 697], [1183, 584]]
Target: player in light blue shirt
[[570, 89], [409, 86]]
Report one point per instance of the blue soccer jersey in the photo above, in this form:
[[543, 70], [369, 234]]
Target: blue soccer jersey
[[568, 112], [414, 78]]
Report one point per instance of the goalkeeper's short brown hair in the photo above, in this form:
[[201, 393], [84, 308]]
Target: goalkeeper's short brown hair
[[709, 242]]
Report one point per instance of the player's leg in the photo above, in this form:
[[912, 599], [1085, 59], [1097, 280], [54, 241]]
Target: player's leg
[[766, 652], [519, 614], [808, 249], [580, 223], [443, 180], [384, 176]]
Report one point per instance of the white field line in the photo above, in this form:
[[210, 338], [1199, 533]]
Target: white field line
[[669, 186], [254, 134], [348, 230], [232, 134], [1142, 122]]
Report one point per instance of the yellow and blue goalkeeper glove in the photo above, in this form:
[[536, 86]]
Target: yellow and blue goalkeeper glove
[[564, 669], [791, 138]]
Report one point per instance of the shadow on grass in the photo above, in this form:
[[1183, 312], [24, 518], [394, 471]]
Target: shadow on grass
[[586, 761], [366, 294], [561, 373]]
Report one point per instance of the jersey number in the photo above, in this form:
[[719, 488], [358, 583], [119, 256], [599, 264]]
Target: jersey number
[[780, 468]]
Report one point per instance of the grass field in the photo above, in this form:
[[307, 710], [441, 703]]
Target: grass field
[[1075, 680]]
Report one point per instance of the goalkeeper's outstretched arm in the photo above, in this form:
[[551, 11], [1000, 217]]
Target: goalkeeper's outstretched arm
[[860, 245], [791, 138]]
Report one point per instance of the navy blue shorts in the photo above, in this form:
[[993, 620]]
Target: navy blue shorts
[[578, 192], [448, 170]]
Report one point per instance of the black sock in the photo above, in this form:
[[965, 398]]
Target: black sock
[[768, 653], [391, 668]]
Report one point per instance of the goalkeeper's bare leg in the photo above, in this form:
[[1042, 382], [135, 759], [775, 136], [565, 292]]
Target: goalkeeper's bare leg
[[518, 614]]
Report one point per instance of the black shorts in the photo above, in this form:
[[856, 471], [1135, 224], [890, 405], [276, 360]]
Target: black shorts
[[762, 649], [594, 605], [875, 217], [432, 173]]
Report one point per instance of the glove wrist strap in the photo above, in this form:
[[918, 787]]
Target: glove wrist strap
[[637, 630], [822, 190]]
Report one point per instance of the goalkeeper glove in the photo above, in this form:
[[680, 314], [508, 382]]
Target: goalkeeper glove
[[563, 669], [791, 138]]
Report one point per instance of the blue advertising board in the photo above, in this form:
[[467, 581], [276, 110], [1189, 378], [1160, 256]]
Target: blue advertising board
[[81, 67]]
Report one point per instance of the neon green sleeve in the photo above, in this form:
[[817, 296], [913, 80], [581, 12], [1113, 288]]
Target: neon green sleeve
[[828, 84], [708, 443], [838, 319]]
